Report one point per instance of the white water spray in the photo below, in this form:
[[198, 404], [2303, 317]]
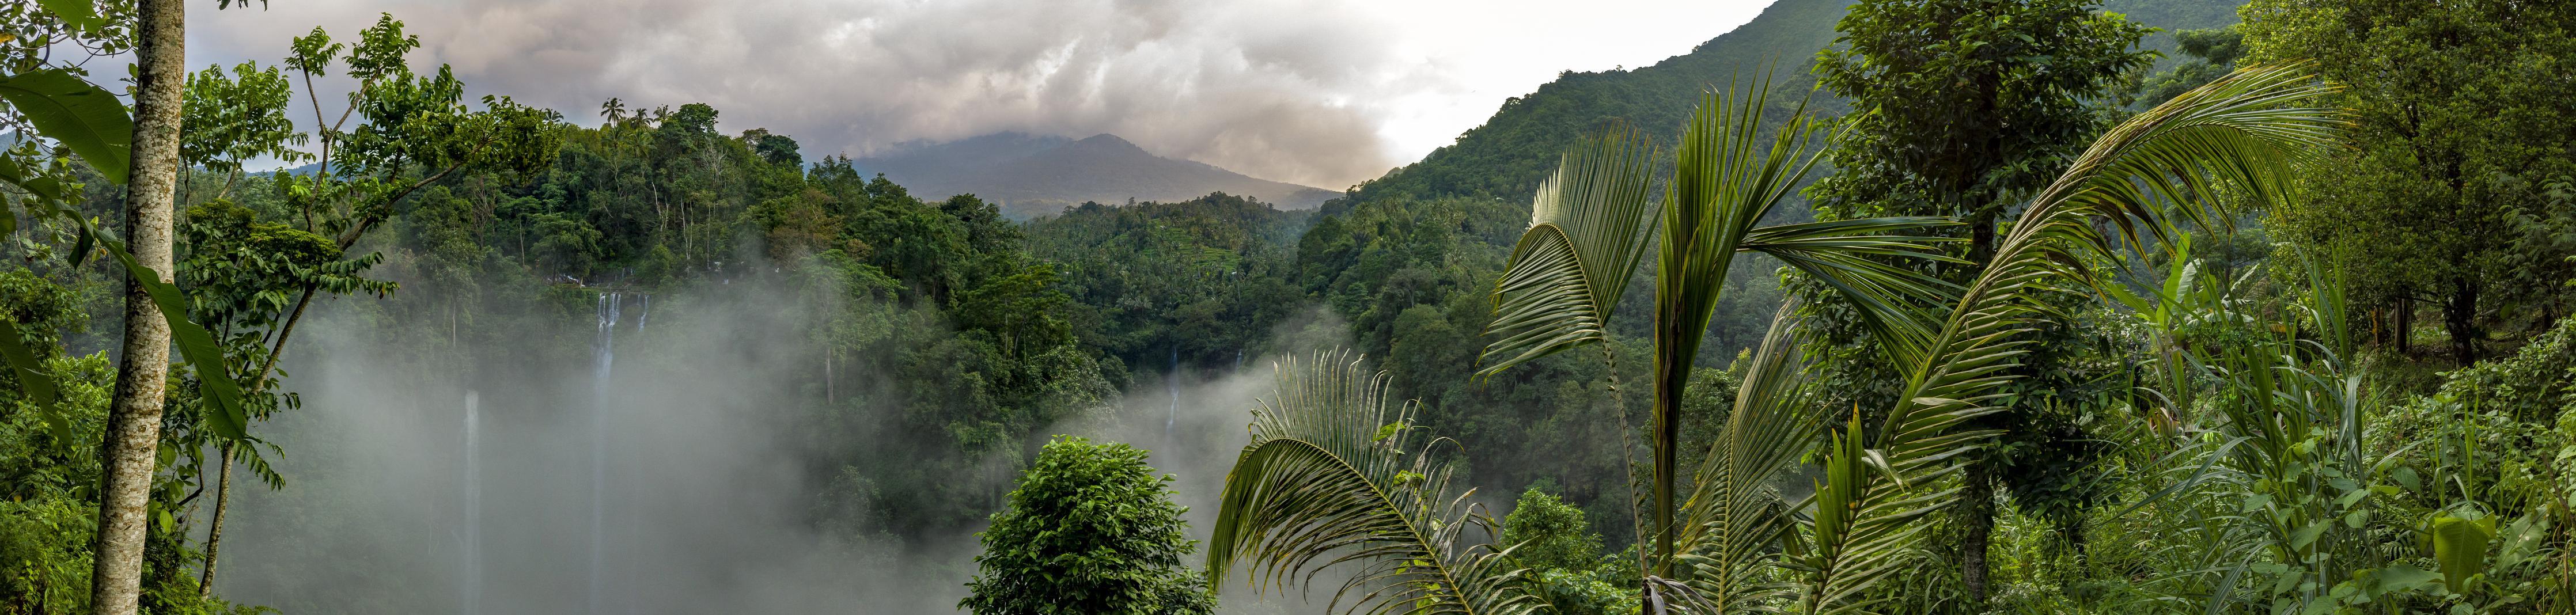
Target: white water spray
[[1172, 385], [607, 361], [470, 585]]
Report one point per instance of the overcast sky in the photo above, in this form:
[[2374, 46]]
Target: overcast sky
[[1320, 92]]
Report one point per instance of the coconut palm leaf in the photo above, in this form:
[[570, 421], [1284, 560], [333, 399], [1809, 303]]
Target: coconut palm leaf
[[1891, 298], [1734, 520], [1587, 236], [2240, 133], [1334, 476], [1587, 232], [1729, 176]]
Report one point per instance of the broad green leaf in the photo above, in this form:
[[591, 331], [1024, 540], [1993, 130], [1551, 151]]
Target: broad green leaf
[[84, 117], [2460, 548], [214, 381], [215, 384], [81, 14], [2302, 537], [2401, 577]]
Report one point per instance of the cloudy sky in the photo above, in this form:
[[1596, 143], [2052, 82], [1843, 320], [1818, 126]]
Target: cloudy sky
[[1319, 92]]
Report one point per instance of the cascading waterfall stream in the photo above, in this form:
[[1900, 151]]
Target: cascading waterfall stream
[[470, 581], [1172, 385], [606, 362]]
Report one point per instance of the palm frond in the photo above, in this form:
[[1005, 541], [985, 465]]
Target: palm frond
[[1725, 179], [2239, 133], [1734, 519], [1586, 235], [1728, 177], [1891, 298], [1333, 476]]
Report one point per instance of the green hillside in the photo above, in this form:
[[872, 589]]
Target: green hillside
[[1512, 151]]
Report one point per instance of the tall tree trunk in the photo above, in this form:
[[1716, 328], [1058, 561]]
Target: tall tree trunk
[[215, 528], [2405, 325], [1981, 242], [1977, 525], [2378, 327], [2460, 318], [134, 421], [1669, 382]]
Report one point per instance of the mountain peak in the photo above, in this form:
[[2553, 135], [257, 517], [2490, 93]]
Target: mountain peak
[[1035, 175], [1109, 143]]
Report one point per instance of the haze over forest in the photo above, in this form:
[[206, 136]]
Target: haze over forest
[[1101, 306]]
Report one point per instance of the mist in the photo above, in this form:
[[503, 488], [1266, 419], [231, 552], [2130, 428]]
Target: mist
[[707, 496]]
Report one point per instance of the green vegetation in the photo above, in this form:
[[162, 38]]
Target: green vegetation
[[2460, 130], [1089, 530], [1985, 309], [1966, 128]]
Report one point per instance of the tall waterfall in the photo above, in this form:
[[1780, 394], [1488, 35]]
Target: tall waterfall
[[470, 581], [1172, 385], [606, 362]]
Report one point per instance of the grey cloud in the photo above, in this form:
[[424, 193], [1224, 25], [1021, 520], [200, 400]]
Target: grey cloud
[[1277, 89]]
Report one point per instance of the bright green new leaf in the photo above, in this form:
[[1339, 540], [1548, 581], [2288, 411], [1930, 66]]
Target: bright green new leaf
[[2460, 548], [81, 14]]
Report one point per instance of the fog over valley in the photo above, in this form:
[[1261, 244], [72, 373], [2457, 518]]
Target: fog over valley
[[1273, 307]]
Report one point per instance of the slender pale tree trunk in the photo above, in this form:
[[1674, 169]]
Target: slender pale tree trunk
[[134, 423]]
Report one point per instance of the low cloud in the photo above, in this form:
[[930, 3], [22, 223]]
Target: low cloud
[[1319, 92], [1278, 90]]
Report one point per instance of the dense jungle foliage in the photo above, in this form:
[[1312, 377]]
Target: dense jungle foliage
[[2020, 340]]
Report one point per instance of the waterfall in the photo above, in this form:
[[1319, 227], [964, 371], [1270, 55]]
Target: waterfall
[[643, 311], [606, 362], [1172, 384], [471, 582]]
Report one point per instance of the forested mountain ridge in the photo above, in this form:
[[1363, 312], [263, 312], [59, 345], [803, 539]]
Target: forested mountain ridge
[[845, 374], [1507, 155], [1032, 175]]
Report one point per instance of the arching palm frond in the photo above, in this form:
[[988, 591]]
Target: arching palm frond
[[1728, 176], [2241, 132], [1734, 520], [1890, 297], [1587, 232], [1733, 169], [1333, 476]]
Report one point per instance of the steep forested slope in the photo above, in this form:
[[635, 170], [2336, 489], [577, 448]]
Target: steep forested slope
[[1159, 285], [1508, 155]]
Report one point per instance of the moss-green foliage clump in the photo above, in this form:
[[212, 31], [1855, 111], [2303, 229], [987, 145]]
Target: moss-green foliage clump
[[1090, 531]]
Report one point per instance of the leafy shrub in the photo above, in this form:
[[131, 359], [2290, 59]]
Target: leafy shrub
[[1090, 530]]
